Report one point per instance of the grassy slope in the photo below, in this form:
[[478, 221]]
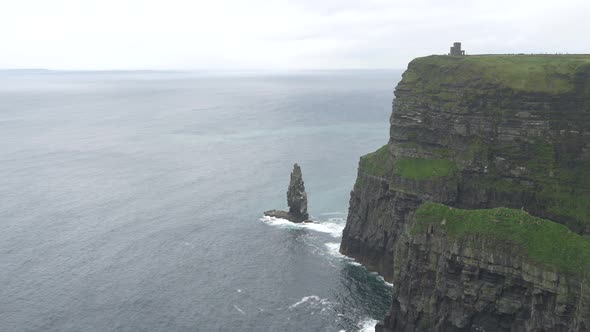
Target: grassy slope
[[559, 183], [380, 163], [544, 242], [422, 169], [562, 185], [529, 73], [562, 182]]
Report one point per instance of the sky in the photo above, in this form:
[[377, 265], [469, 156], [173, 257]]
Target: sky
[[278, 34]]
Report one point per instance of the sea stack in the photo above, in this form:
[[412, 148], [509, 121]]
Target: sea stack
[[296, 199]]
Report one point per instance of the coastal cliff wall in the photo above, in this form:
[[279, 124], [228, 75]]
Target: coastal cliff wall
[[475, 132], [489, 270]]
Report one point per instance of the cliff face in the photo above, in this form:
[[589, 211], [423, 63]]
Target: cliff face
[[489, 270], [474, 132]]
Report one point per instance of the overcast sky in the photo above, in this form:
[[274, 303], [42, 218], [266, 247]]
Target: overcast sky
[[281, 34]]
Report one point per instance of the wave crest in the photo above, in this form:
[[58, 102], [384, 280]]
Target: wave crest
[[313, 300], [333, 226]]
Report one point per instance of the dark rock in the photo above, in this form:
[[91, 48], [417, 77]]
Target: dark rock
[[296, 200], [504, 143], [478, 284], [380, 327], [278, 214], [296, 195]]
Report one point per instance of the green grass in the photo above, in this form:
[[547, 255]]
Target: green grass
[[378, 163], [422, 169], [560, 182], [440, 151], [544, 242], [381, 163], [568, 204], [568, 191], [529, 73]]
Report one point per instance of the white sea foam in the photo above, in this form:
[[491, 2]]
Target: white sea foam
[[334, 250], [331, 227], [305, 299], [311, 300], [388, 284], [239, 310], [367, 325], [331, 213], [382, 279]]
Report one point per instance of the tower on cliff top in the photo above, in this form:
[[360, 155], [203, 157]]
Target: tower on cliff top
[[456, 49]]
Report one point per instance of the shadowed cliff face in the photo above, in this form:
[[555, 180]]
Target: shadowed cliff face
[[489, 270], [442, 285], [473, 132]]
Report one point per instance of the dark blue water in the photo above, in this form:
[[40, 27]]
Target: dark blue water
[[132, 201]]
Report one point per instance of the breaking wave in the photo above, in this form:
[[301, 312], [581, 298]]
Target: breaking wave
[[388, 284], [334, 251], [367, 325], [312, 300], [332, 226]]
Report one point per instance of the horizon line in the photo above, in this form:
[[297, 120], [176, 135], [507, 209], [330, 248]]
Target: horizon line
[[23, 69]]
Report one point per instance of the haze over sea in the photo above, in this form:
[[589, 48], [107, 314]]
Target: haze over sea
[[132, 201]]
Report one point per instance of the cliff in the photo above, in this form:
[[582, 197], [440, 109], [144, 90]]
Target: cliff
[[475, 132], [489, 270]]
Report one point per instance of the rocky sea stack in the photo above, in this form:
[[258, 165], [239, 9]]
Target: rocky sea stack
[[478, 208], [296, 199]]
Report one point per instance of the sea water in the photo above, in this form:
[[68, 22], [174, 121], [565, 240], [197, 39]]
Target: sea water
[[132, 201]]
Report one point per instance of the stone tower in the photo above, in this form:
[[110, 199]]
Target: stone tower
[[456, 49]]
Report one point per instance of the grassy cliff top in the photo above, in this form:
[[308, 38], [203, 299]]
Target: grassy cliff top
[[529, 73], [544, 242], [381, 164]]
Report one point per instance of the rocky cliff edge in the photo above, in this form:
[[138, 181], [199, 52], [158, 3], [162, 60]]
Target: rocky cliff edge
[[475, 132]]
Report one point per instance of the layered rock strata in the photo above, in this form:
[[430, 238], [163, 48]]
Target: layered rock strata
[[474, 132], [489, 270]]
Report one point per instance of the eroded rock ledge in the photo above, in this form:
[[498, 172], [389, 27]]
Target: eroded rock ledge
[[475, 132]]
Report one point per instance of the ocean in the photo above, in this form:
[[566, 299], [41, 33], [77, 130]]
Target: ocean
[[132, 201]]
